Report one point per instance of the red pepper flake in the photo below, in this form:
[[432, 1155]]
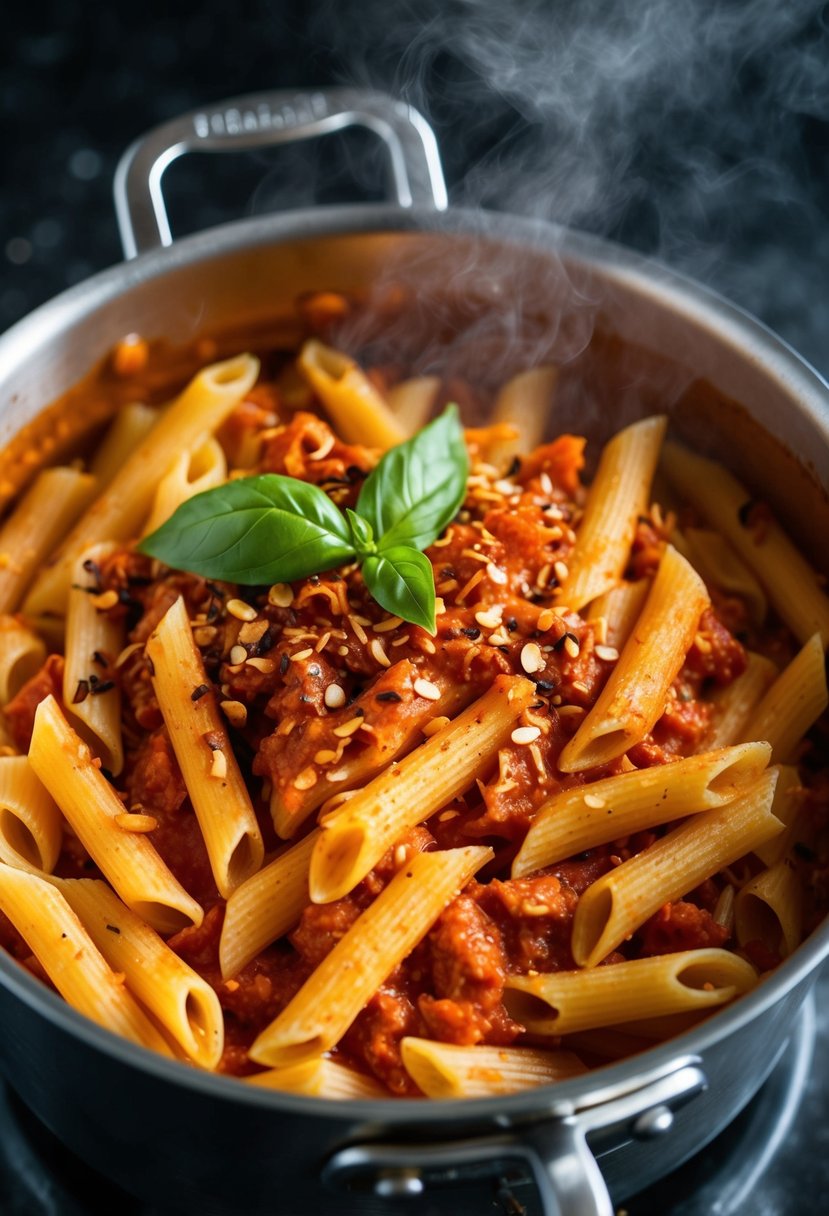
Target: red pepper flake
[[81, 692]]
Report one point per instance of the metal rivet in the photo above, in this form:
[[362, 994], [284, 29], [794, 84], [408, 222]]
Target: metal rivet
[[654, 1123], [401, 1182]]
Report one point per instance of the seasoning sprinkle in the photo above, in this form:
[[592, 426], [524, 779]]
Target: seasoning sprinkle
[[199, 692], [132, 822], [378, 653], [348, 728], [334, 696], [490, 618], [237, 655], [218, 767], [241, 610], [390, 623], [532, 659], [434, 725], [426, 689], [545, 620], [496, 574], [525, 734], [281, 595], [105, 601], [595, 802], [389, 695], [266, 666], [235, 711], [305, 780], [608, 654]]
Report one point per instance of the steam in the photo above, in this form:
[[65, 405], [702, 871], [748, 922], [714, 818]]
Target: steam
[[680, 128]]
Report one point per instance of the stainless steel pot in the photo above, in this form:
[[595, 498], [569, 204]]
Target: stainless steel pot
[[172, 1134]]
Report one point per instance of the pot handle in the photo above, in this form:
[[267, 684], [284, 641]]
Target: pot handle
[[552, 1150], [262, 120]]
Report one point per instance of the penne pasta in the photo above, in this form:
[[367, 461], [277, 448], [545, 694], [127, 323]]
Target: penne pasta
[[566, 1002], [734, 704], [588, 815], [265, 906], [412, 401], [353, 839], [70, 958], [769, 909], [22, 653], [616, 499], [120, 511], [634, 696], [787, 578], [181, 1001], [620, 607], [321, 1078], [31, 828], [614, 906], [37, 524], [524, 403], [326, 1005], [63, 763], [793, 703], [788, 803], [353, 404], [716, 561], [94, 640], [191, 473], [199, 737], [128, 429], [449, 1070]]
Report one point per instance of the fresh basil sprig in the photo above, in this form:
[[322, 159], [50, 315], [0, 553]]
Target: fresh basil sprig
[[270, 528]]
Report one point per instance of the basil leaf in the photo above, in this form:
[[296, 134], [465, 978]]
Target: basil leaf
[[263, 529], [401, 580], [362, 535], [417, 487]]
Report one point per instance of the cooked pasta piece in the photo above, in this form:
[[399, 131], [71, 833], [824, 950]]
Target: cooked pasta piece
[[564, 1002], [620, 607], [793, 703], [128, 429], [769, 909], [449, 1070], [587, 815], [64, 764], [355, 407], [734, 704], [615, 906], [36, 525], [122, 508], [321, 1078], [524, 403], [22, 653], [94, 639], [192, 472], [715, 559], [788, 802], [381, 937], [789, 581], [265, 906], [70, 958], [182, 1002], [634, 696], [354, 838], [617, 497], [203, 749], [412, 401], [31, 828]]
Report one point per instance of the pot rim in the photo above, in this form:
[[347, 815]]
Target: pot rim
[[769, 353]]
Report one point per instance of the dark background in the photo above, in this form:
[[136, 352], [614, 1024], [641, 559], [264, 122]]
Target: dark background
[[696, 131]]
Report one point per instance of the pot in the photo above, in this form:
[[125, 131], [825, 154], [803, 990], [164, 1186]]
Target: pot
[[632, 333]]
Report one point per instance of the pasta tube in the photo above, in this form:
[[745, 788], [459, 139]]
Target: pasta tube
[[769, 908], [793, 703], [564, 1002], [448, 1070], [614, 906], [389, 929], [321, 1078], [191, 473], [354, 405], [634, 696], [524, 403], [63, 763], [202, 745], [22, 654], [734, 704], [31, 829], [354, 838], [584, 816]]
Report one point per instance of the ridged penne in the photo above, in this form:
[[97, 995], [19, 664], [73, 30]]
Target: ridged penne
[[22, 653], [31, 828], [70, 958], [94, 639], [128, 429], [587, 815], [321, 1078], [192, 472], [620, 607], [181, 1001], [634, 696], [716, 560], [412, 401], [565, 1002], [617, 497], [381, 937], [615, 906], [354, 405], [64, 764], [733, 705], [199, 736], [789, 581], [769, 909], [449, 1070], [120, 511], [525, 403], [265, 906], [793, 703], [37, 524], [354, 838]]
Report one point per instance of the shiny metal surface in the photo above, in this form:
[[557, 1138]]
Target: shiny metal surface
[[101, 1090], [263, 120]]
